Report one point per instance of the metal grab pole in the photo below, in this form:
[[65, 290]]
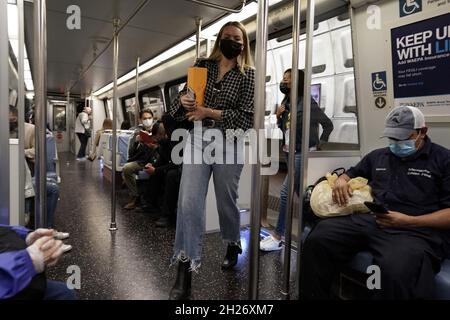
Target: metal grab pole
[[4, 118], [113, 225], [292, 141], [40, 60], [137, 107], [21, 109], [259, 103], [305, 133], [198, 24]]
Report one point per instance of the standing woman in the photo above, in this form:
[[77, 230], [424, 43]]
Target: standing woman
[[228, 105], [82, 129]]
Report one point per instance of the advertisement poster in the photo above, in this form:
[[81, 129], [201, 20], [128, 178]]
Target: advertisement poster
[[421, 62]]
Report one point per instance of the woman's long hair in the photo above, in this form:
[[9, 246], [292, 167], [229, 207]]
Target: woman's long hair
[[245, 59], [301, 82]]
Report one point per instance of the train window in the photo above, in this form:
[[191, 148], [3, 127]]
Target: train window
[[333, 81], [59, 118], [128, 108], [153, 99], [173, 90]]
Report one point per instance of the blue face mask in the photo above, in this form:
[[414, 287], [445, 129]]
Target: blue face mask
[[403, 148]]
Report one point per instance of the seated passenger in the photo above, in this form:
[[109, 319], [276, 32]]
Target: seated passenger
[[165, 175], [52, 186], [273, 241], [411, 178], [107, 125], [24, 256], [139, 154], [125, 125]]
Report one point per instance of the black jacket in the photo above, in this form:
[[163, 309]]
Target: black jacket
[[317, 117]]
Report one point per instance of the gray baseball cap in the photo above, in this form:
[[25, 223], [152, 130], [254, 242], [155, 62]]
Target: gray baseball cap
[[402, 121]]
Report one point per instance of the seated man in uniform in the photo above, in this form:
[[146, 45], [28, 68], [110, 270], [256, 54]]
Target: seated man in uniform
[[411, 178]]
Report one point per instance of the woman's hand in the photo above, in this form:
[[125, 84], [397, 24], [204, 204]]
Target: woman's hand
[[197, 114], [280, 110], [188, 102]]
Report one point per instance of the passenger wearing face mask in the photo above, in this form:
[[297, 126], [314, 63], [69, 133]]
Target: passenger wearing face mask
[[139, 154], [229, 98], [411, 179], [273, 242]]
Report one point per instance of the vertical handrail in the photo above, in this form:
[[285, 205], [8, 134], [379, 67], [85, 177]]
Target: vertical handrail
[[305, 134], [198, 24], [137, 107], [4, 118], [21, 109], [292, 142], [259, 103], [40, 61], [113, 224]]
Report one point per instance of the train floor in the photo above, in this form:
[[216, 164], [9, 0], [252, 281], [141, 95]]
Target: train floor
[[134, 261]]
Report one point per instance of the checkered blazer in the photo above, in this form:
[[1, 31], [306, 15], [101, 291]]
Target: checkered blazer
[[234, 94]]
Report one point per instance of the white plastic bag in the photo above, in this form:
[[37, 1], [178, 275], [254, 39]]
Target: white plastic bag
[[322, 201]]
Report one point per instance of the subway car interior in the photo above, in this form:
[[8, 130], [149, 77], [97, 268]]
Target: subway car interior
[[99, 112]]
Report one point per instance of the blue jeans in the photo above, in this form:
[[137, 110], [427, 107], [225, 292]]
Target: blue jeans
[[284, 194], [191, 211], [58, 291], [52, 201]]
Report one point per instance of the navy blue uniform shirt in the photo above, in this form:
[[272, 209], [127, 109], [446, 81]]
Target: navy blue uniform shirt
[[415, 186]]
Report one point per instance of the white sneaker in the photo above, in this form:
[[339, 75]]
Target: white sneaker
[[81, 159], [270, 244]]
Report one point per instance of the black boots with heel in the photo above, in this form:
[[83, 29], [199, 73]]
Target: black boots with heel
[[231, 257], [182, 288]]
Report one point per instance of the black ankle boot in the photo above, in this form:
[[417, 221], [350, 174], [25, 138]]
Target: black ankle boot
[[182, 288], [231, 257]]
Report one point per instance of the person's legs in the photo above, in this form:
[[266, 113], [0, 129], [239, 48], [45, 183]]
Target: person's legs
[[408, 264], [170, 196], [273, 242], [58, 291], [128, 174], [83, 143], [332, 243], [52, 201], [191, 213]]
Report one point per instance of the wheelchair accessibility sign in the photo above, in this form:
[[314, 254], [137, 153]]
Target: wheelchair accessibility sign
[[379, 82], [408, 7]]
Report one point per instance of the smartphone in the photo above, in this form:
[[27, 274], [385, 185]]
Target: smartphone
[[376, 207], [190, 93]]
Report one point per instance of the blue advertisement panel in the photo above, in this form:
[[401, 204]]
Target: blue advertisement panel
[[421, 62]]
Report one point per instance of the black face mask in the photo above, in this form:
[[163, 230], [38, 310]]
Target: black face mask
[[230, 48], [284, 88]]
